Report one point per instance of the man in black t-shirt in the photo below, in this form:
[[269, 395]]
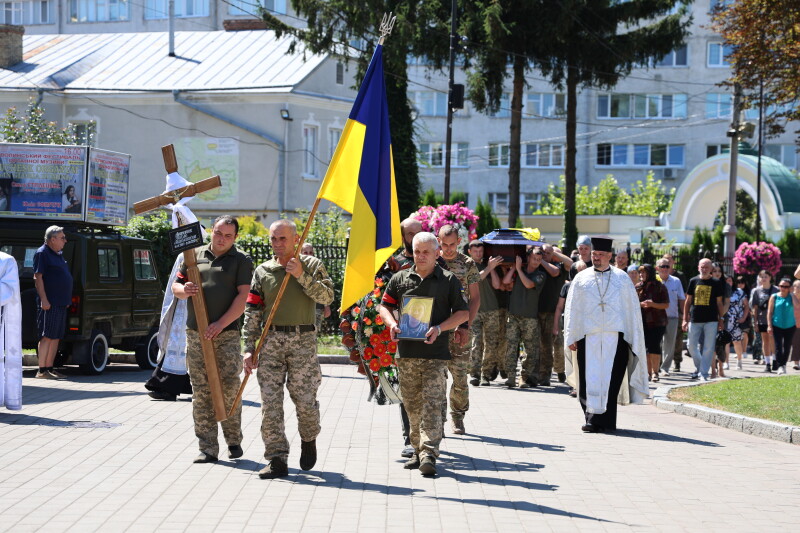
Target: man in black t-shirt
[[702, 317]]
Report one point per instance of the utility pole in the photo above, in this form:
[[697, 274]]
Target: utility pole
[[734, 133], [449, 135], [760, 152]]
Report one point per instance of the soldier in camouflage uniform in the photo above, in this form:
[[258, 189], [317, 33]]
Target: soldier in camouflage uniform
[[226, 275], [523, 323], [422, 364], [485, 357], [289, 354], [466, 271], [551, 358]]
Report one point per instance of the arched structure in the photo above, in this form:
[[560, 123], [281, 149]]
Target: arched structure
[[701, 193]]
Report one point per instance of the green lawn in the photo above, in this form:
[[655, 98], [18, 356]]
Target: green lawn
[[775, 398], [331, 345]]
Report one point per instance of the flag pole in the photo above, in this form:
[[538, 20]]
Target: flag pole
[[387, 24]]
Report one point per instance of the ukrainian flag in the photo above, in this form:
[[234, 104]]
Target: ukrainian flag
[[360, 180]]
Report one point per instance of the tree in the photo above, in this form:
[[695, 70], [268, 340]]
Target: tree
[[594, 43], [745, 216], [648, 198], [330, 25], [765, 38], [31, 127], [509, 32], [487, 222]]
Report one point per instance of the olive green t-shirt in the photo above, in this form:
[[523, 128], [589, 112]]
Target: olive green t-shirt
[[488, 293], [524, 302], [221, 278]]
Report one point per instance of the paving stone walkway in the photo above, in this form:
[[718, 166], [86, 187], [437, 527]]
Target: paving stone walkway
[[97, 454]]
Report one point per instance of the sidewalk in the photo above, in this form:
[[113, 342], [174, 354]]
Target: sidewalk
[[97, 454]]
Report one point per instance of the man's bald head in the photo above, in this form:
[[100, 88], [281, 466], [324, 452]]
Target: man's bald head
[[408, 228]]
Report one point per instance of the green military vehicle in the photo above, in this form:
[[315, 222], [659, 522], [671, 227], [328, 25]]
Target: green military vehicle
[[116, 293]]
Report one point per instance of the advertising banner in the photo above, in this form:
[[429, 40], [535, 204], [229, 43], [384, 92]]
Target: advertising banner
[[43, 181], [108, 187]]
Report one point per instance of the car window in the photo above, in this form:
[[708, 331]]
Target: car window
[[108, 263], [23, 255], [143, 267]]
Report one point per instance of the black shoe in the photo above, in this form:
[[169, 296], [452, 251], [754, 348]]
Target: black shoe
[[485, 382], [474, 382], [511, 383], [308, 454], [503, 375], [407, 452], [413, 463], [493, 374], [774, 365], [562, 377], [427, 466], [544, 383], [166, 396], [234, 452], [276, 468], [589, 428], [205, 458]]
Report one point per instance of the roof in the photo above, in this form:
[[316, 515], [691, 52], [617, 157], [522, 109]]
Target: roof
[[784, 183], [204, 60]]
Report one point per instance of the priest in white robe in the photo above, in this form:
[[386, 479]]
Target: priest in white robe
[[603, 323], [10, 334]]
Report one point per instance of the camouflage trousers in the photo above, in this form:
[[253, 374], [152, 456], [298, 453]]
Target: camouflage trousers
[[229, 365], [458, 365], [423, 386], [527, 330], [485, 355], [551, 356], [290, 358]]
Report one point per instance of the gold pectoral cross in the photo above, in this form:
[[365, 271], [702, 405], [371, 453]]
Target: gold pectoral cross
[[602, 306]]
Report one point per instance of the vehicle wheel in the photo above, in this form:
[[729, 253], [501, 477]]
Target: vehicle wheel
[[97, 354], [147, 351]]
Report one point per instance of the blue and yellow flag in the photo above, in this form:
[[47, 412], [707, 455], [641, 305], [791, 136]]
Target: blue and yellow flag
[[360, 180]]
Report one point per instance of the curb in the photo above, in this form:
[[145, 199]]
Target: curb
[[752, 426], [130, 358]]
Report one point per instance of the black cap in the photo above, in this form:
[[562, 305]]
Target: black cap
[[602, 244]]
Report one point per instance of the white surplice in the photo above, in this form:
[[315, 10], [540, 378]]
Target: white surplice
[[585, 317], [172, 327], [10, 334]]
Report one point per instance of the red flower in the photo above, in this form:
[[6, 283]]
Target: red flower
[[380, 349], [374, 339], [379, 320], [354, 325], [374, 365], [355, 355], [369, 304], [385, 335], [379, 282], [367, 321], [386, 360], [368, 352], [392, 347], [376, 291]]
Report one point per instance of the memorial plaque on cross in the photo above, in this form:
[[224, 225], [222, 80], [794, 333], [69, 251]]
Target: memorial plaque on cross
[[189, 259]]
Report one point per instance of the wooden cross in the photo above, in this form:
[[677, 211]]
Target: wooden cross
[[189, 259]]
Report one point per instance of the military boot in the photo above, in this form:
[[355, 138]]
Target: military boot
[[277, 467], [308, 454]]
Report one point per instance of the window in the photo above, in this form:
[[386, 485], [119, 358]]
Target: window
[[785, 153], [310, 141], [716, 149], [676, 58], [159, 9], [641, 106], [543, 155], [98, 10], [85, 133], [545, 105], [143, 265], [248, 7], [499, 202], [529, 202], [498, 155], [24, 257], [334, 134], [640, 155], [339, 73], [718, 54], [431, 103], [433, 155], [24, 13], [719, 105], [504, 110], [108, 263]]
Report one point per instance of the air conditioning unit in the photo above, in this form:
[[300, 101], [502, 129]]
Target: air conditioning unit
[[669, 174]]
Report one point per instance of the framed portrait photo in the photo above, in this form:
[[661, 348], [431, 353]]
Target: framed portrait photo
[[415, 317]]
